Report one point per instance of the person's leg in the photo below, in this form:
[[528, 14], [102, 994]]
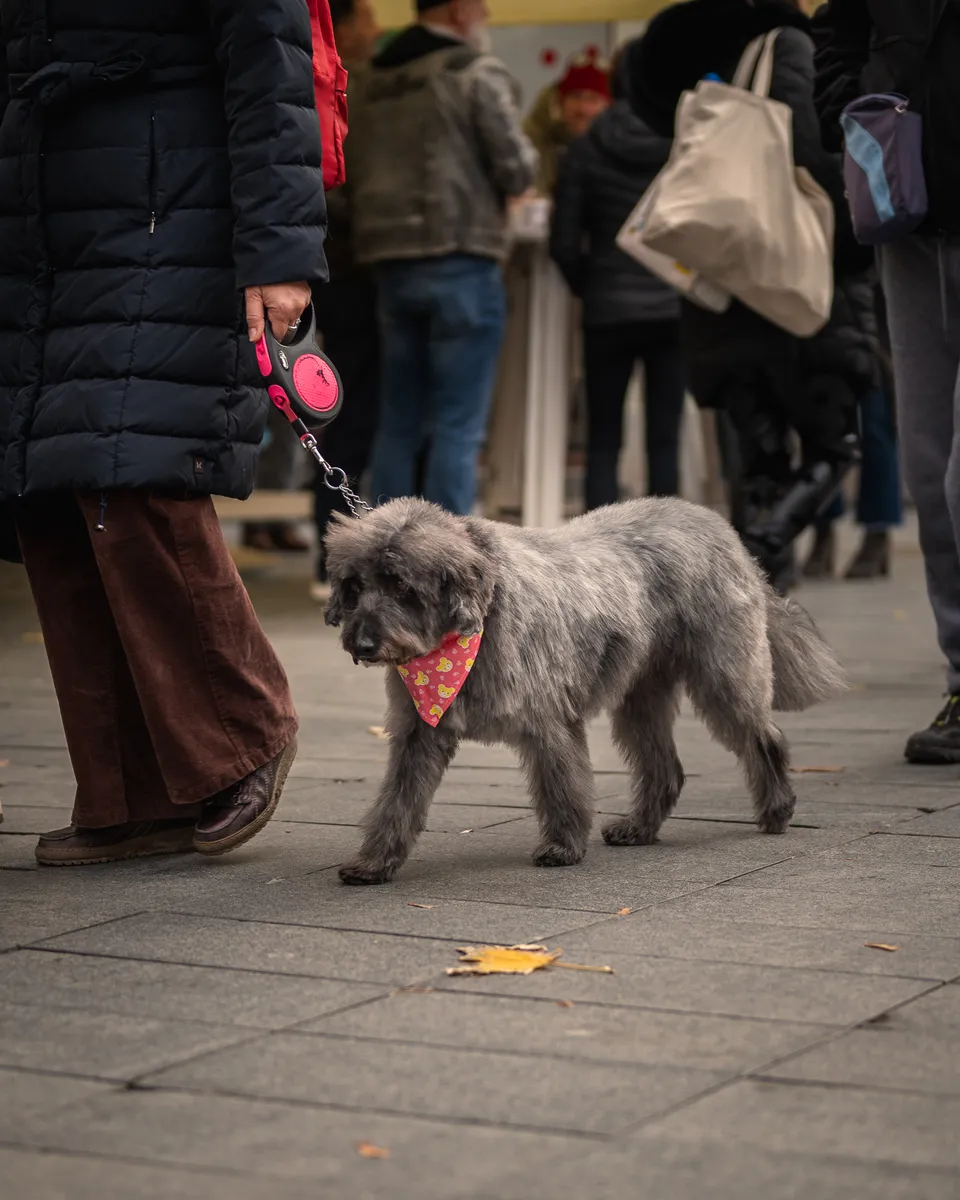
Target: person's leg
[[214, 696], [665, 376], [466, 331], [609, 357], [879, 507], [352, 339], [277, 471], [405, 375], [923, 309], [121, 802]]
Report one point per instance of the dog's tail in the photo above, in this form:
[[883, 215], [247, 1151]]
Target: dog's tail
[[805, 670]]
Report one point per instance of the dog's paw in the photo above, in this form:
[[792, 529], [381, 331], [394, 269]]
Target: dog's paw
[[552, 854], [625, 833], [363, 874], [776, 822]]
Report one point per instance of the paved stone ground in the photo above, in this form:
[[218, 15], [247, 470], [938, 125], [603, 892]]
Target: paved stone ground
[[235, 1028]]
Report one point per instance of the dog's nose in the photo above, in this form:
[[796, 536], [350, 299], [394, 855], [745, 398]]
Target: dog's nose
[[364, 646]]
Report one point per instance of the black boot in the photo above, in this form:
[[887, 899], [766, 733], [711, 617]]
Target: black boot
[[940, 743], [873, 558], [821, 560]]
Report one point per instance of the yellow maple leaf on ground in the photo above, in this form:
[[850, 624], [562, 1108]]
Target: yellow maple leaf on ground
[[511, 960]]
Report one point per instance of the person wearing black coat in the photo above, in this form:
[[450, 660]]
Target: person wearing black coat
[[912, 47], [768, 382], [160, 198], [628, 314]]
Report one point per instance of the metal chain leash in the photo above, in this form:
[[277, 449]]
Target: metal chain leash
[[355, 503]]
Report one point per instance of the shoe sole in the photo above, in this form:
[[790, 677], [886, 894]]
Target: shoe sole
[[242, 836], [137, 848], [928, 757]]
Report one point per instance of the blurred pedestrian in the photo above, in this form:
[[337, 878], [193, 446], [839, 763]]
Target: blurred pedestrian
[[436, 150], [347, 306], [879, 503], [770, 384], [629, 316], [912, 47], [159, 201], [564, 111]]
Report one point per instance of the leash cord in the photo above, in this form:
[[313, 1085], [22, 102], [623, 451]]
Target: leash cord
[[355, 503]]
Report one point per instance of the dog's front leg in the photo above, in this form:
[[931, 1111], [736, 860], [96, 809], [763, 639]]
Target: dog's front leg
[[419, 756], [557, 763]]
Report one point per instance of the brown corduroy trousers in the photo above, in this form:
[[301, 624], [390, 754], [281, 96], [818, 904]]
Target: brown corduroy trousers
[[168, 688]]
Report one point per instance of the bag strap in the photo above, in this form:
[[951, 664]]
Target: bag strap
[[755, 69]]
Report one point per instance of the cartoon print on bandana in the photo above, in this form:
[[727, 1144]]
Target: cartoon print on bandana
[[435, 679]]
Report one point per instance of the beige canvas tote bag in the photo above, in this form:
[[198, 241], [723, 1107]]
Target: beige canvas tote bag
[[734, 208]]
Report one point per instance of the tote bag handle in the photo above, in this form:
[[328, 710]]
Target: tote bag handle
[[755, 69]]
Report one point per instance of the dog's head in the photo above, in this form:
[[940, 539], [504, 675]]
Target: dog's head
[[403, 578]]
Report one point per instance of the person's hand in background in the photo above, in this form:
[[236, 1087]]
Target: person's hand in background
[[282, 303]]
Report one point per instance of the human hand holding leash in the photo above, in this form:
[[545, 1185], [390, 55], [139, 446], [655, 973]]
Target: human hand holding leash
[[281, 302]]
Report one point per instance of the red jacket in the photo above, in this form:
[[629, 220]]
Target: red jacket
[[330, 84]]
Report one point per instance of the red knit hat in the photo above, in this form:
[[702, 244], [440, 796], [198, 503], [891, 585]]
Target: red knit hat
[[585, 73]]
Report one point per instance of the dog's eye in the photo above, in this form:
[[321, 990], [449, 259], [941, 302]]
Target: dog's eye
[[349, 592]]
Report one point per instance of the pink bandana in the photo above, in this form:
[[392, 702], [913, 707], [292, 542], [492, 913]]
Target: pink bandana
[[434, 679]]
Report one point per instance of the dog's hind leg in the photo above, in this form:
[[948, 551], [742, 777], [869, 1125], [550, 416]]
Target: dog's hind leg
[[643, 731], [419, 756], [558, 768], [740, 720]]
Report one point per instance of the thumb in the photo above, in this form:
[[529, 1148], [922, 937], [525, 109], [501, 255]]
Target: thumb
[[254, 313]]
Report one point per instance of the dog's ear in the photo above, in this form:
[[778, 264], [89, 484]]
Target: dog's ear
[[469, 587], [333, 614]]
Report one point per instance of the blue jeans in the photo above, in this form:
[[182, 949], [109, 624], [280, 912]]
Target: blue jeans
[[879, 505], [442, 322]]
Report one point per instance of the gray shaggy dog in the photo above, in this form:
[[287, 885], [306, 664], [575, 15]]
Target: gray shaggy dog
[[622, 609]]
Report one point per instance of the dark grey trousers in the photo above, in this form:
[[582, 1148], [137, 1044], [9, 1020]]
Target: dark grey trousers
[[921, 282]]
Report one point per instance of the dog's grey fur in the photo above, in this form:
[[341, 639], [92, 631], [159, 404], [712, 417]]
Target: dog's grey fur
[[620, 610]]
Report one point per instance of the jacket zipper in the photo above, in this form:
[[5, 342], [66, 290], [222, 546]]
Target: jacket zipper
[[152, 176]]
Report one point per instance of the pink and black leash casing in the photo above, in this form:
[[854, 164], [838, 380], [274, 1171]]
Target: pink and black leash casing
[[301, 381]]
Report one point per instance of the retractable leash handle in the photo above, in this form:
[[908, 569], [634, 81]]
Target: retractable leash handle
[[305, 386]]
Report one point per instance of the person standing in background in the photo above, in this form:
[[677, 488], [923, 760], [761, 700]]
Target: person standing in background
[[157, 206], [912, 47], [628, 315], [563, 111], [436, 151], [347, 307]]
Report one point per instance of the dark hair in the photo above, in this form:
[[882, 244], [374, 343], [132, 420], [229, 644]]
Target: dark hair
[[341, 10]]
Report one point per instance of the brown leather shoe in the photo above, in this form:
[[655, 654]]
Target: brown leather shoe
[[76, 847], [238, 813]]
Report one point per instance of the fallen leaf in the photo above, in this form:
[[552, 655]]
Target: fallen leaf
[[881, 946], [624, 912], [466, 831], [512, 960], [413, 904], [817, 770], [32, 638], [378, 731], [278, 880], [368, 1150], [4, 762], [564, 1003]]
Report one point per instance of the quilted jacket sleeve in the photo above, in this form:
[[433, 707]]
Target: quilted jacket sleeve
[[509, 153], [265, 51]]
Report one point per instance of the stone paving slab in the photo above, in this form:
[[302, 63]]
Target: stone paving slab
[[160, 991], [941, 824], [654, 932], [593, 1032], [40, 1100], [724, 989], [876, 1127], [270, 1142], [880, 1056], [418, 1080], [104, 1045], [660, 1168]]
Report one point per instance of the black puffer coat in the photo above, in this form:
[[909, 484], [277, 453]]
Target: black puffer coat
[[682, 45], [602, 176], [154, 160]]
